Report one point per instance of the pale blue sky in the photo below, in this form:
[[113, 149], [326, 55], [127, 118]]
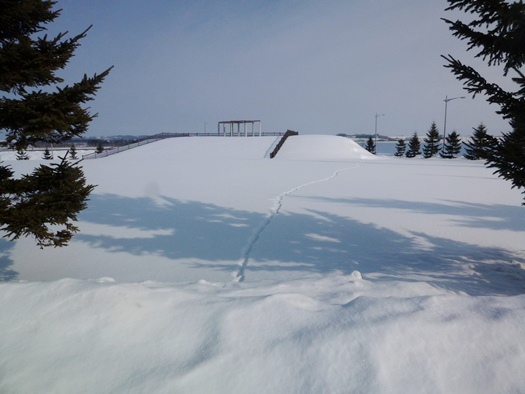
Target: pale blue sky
[[318, 67]]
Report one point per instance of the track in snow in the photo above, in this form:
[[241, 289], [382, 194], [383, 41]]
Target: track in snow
[[239, 275]]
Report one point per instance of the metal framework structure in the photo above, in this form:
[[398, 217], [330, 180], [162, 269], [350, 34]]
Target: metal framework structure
[[228, 127]]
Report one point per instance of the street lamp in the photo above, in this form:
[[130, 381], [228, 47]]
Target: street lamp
[[377, 116], [445, 125]]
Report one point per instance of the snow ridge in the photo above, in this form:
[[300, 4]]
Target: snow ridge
[[239, 275]]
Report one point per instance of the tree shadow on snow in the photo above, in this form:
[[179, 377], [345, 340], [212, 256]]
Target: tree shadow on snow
[[173, 228], [326, 242], [208, 235], [490, 216]]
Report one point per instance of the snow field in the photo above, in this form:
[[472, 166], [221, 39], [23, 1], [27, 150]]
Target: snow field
[[203, 266]]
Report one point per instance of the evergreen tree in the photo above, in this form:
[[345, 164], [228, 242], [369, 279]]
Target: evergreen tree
[[21, 154], [432, 146], [100, 147], [401, 148], [73, 152], [414, 146], [47, 155], [451, 147], [496, 30], [55, 193], [37, 107], [370, 145], [481, 144]]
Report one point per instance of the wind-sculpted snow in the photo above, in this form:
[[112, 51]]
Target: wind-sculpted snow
[[352, 273], [336, 334]]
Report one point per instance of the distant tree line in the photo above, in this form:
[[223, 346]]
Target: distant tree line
[[98, 144], [479, 147]]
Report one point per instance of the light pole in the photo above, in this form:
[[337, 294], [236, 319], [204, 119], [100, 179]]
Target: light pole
[[445, 124], [377, 116]]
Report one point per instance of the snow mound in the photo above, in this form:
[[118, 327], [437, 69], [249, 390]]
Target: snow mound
[[302, 147], [322, 148]]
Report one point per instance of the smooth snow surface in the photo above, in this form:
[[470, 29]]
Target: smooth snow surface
[[202, 266], [330, 148]]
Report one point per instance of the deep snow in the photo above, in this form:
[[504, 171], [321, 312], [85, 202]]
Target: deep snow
[[203, 266]]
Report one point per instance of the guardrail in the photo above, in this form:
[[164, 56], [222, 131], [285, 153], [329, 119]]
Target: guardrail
[[118, 149], [263, 134]]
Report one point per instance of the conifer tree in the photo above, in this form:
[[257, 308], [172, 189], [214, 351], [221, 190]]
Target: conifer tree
[[36, 106], [481, 144], [370, 145], [21, 154], [50, 195], [401, 148], [100, 147], [73, 152], [451, 147], [47, 155], [414, 146], [432, 146], [496, 30]]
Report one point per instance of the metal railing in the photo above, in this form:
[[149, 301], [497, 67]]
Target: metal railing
[[289, 133], [118, 149]]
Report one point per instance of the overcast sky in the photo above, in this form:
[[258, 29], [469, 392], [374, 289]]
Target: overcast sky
[[318, 67]]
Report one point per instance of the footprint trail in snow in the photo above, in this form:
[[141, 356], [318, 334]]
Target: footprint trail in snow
[[239, 275]]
